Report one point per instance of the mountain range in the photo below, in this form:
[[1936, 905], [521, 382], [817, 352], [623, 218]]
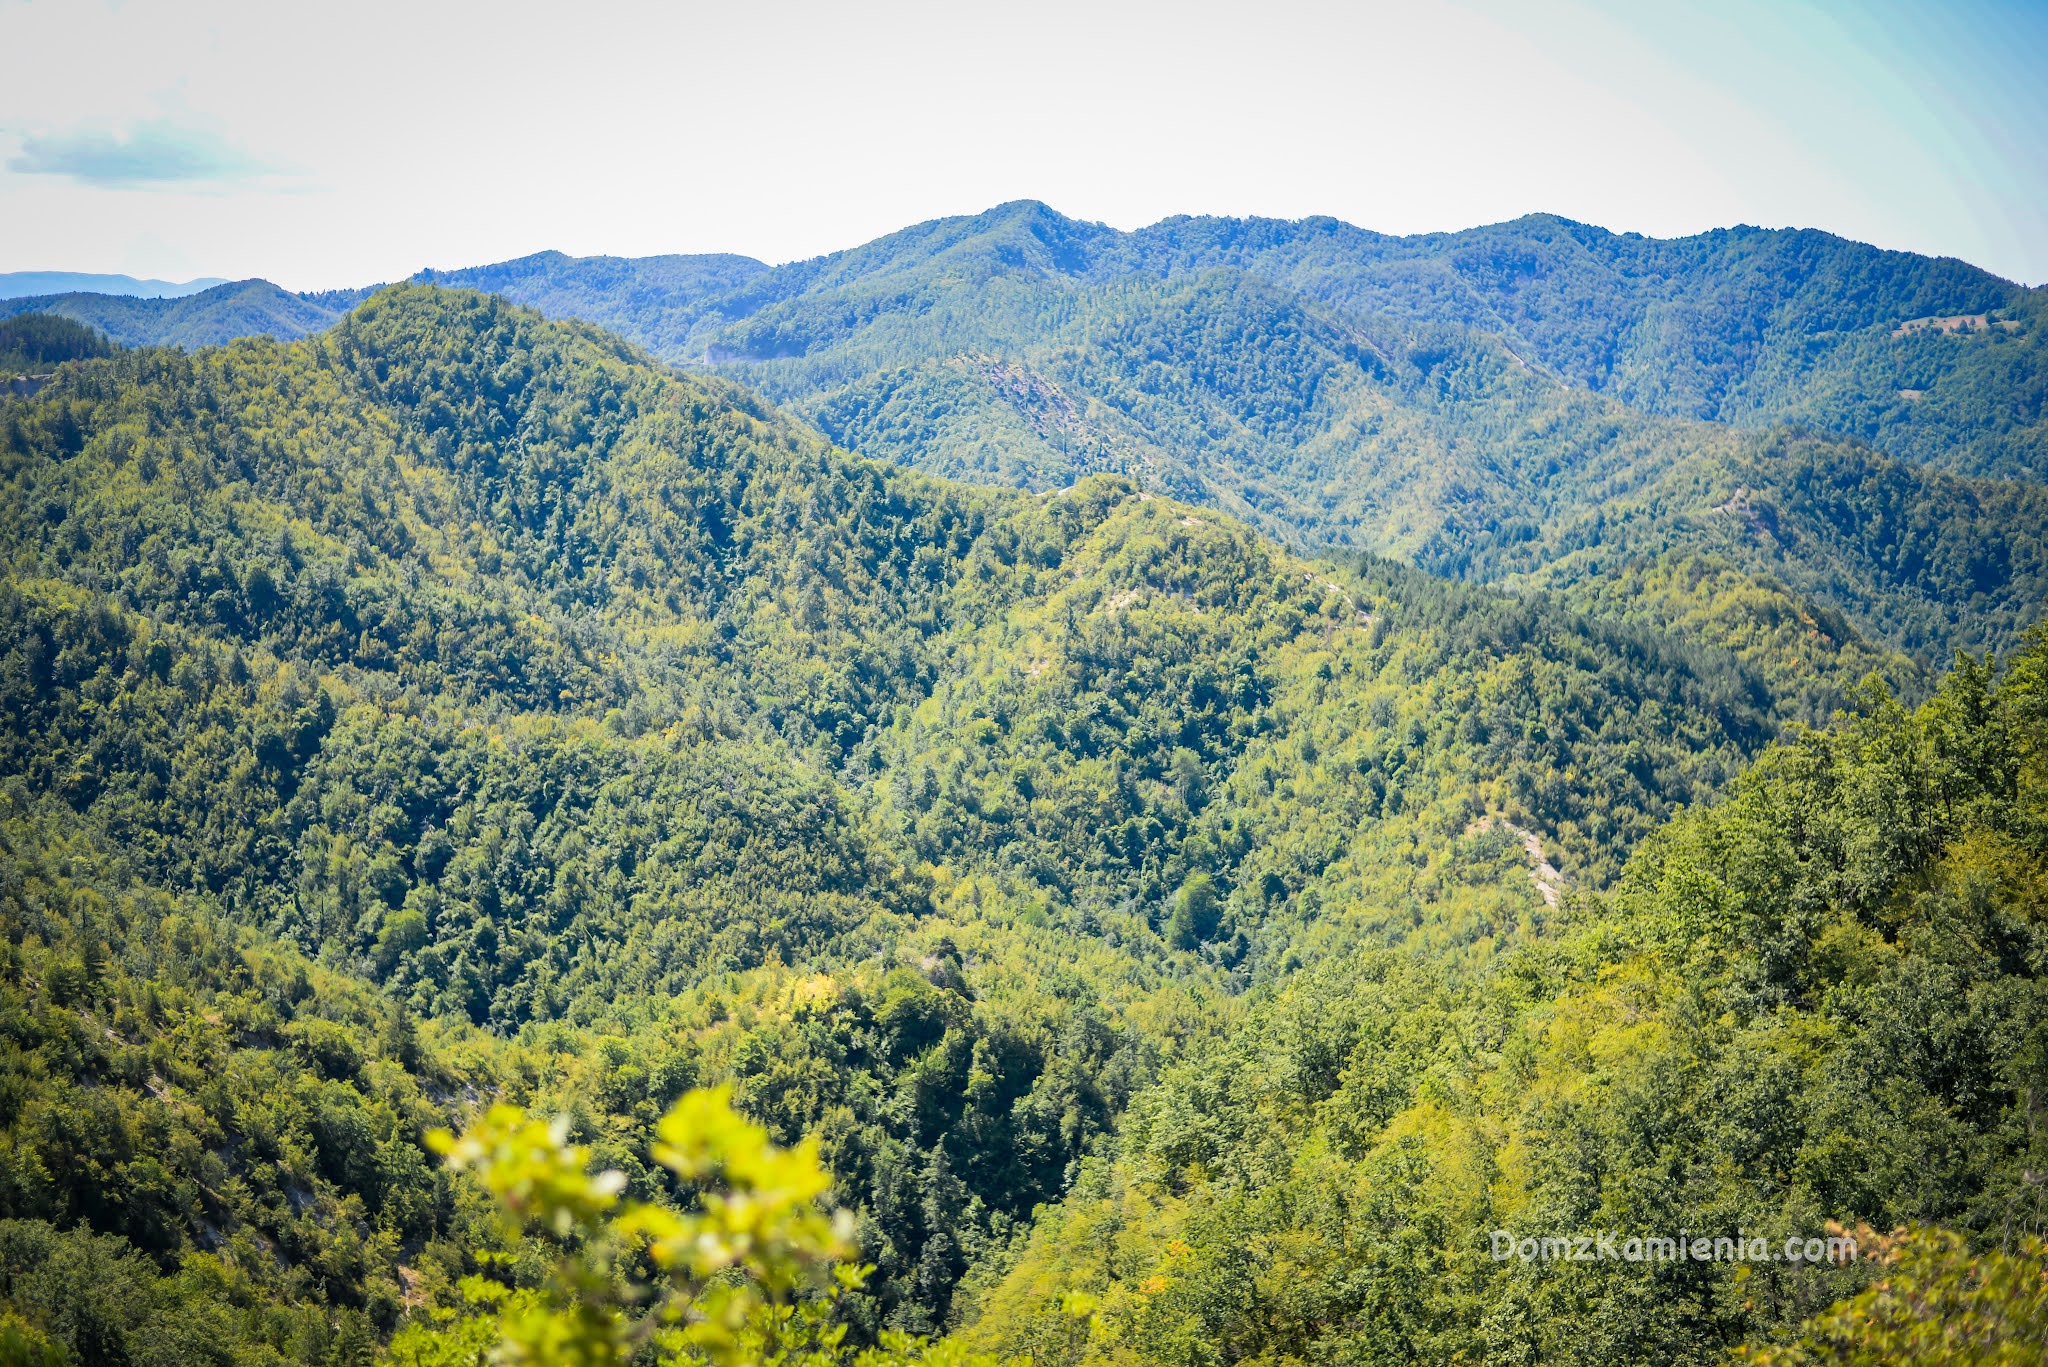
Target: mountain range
[[1537, 403], [1744, 326], [1203, 771], [207, 317], [17, 284], [1926, 359]]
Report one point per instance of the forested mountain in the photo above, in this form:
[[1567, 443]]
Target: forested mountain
[[1532, 403], [457, 706], [37, 343], [1741, 325], [1492, 405], [1929, 360], [1818, 999], [242, 308]]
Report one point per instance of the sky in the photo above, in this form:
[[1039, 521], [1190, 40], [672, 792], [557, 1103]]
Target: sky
[[336, 145]]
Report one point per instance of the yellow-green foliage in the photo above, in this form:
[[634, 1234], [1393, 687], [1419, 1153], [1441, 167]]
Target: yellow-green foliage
[[1935, 1303], [455, 709], [1804, 652], [1819, 999], [746, 1272]]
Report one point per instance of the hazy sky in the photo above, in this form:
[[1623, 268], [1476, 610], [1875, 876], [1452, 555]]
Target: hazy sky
[[352, 143]]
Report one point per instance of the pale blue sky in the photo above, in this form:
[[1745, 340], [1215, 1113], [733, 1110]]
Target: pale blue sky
[[357, 143]]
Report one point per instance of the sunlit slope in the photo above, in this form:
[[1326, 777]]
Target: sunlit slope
[[1424, 399], [625, 734]]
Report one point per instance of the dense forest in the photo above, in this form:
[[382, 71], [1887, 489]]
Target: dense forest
[[1146, 940], [980, 321], [1333, 385], [208, 317], [1005, 349], [1819, 998], [37, 343]]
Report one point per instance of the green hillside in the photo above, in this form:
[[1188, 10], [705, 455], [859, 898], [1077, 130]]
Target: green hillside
[[1538, 402], [457, 706], [1439, 449], [37, 343], [1396, 396], [1818, 1000], [242, 308], [1928, 360]]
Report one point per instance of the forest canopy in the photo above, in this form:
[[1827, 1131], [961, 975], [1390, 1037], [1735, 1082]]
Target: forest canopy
[[1130, 935]]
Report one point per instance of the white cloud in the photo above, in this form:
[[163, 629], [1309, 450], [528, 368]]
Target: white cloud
[[147, 156]]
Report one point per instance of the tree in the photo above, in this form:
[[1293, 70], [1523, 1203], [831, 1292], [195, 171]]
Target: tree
[[750, 1275], [1937, 1305], [1197, 911]]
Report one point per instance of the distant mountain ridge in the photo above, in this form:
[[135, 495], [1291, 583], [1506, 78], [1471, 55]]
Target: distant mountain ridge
[[241, 308], [657, 301], [1743, 325], [21, 284], [1538, 402]]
